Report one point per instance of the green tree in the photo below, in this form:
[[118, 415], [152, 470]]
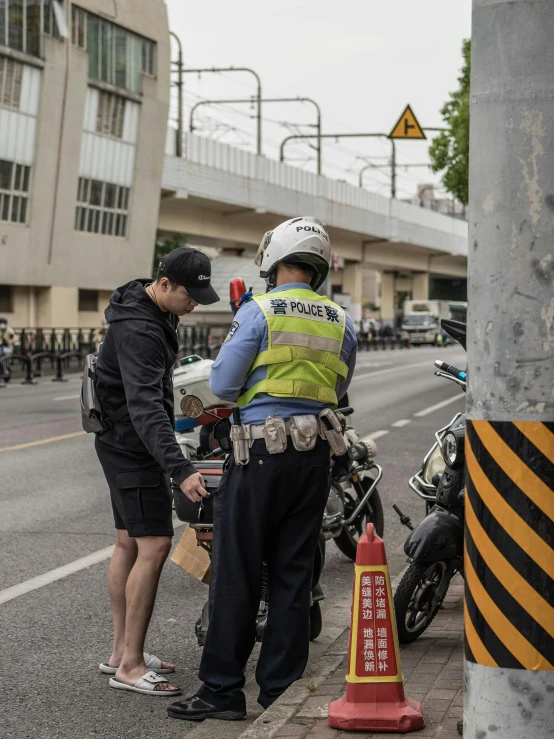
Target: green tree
[[165, 246], [449, 151]]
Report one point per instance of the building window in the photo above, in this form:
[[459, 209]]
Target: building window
[[102, 207], [11, 74], [115, 55], [111, 115], [54, 20], [14, 191], [20, 23], [148, 51], [6, 299], [88, 300], [78, 27]]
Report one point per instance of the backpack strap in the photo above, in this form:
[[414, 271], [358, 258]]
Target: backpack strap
[[120, 413]]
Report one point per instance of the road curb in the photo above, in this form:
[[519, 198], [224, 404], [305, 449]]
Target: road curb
[[286, 706]]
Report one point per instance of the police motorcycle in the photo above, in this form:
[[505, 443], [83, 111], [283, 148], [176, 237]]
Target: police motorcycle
[[353, 500], [210, 462], [435, 547]]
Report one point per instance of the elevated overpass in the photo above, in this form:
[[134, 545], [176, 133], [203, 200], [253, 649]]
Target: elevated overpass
[[226, 197]]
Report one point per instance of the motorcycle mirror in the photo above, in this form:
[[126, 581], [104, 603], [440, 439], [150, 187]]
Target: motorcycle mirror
[[192, 406]]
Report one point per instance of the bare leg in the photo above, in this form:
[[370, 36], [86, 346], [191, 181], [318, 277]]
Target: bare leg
[[123, 559], [140, 595]]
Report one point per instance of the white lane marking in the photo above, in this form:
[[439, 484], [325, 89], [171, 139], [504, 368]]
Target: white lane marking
[[401, 423], [392, 369], [60, 572], [437, 406], [378, 434], [66, 397]]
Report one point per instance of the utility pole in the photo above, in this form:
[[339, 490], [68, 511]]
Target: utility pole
[[179, 64], [258, 96], [267, 100], [393, 170], [346, 136], [509, 448]]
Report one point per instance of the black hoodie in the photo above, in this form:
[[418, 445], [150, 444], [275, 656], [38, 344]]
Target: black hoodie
[[135, 364]]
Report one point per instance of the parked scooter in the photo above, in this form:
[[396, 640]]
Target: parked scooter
[[435, 547]]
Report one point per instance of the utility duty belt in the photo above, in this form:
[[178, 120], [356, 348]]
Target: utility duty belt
[[303, 431]]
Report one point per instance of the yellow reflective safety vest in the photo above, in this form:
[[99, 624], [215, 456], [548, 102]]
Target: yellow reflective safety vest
[[305, 333]]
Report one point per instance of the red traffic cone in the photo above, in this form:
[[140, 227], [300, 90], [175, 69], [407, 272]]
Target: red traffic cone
[[374, 699]]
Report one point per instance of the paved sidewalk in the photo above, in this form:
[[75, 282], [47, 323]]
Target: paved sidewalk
[[433, 674]]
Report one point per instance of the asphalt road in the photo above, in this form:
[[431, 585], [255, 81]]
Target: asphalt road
[[54, 510]]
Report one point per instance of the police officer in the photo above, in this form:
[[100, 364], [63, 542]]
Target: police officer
[[289, 355]]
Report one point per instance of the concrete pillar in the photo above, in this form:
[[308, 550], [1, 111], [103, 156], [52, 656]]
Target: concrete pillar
[[371, 286], [58, 307], [388, 295], [20, 300], [509, 446], [420, 286], [352, 284]]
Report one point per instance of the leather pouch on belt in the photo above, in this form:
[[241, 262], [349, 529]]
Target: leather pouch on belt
[[275, 434], [303, 432], [332, 430]]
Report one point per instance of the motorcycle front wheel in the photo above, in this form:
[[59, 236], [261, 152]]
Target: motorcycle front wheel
[[347, 540], [413, 599]]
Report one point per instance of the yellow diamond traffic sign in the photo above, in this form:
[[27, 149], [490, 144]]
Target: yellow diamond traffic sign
[[407, 127]]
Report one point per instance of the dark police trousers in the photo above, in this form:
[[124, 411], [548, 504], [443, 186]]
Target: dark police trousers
[[271, 510]]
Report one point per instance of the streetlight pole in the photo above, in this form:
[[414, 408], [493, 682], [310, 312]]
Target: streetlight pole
[[179, 63], [380, 166], [258, 96], [363, 170], [267, 100], [348, 135]]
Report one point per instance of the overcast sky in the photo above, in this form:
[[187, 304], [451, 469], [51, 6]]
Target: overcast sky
[[361, 60]]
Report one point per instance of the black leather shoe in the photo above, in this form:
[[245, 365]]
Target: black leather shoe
[[196, 709]]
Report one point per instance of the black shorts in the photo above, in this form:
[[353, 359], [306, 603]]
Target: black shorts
[[140, 491]]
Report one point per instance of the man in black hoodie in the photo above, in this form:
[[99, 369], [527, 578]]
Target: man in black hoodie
[[140, 452]]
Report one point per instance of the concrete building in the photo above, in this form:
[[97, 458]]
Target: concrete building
[[88, 176], [427, 198], [84, 96]]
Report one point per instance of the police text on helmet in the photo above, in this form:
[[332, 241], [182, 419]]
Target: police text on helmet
[[314, 229]]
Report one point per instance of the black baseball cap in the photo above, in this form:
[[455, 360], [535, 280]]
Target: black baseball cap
[[191, 269]]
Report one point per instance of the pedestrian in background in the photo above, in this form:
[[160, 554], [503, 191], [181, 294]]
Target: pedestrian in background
[[7, 341]]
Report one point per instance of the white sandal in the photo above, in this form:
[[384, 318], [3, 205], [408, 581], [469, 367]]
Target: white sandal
[[150, 660], [146, 684]]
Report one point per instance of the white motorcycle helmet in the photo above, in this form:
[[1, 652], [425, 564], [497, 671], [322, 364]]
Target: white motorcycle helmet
[[303, 240]]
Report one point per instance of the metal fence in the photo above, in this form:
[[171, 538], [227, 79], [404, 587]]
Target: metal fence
[[45, 352], [53, 352]]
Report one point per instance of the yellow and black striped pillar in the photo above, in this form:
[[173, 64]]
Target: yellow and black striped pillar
[[509, 449], [509, 566]]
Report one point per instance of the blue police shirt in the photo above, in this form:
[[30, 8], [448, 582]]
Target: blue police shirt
[[246, 339]]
